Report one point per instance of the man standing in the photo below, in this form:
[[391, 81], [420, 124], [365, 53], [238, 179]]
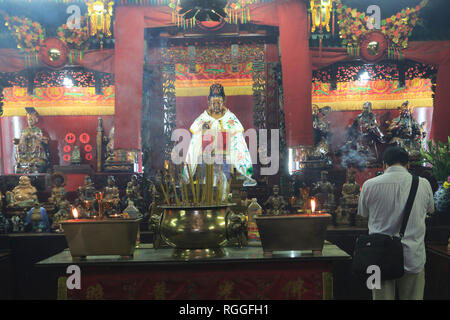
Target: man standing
[[382, 200]]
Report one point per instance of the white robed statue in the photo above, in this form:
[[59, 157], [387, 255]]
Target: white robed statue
[[217, 135]]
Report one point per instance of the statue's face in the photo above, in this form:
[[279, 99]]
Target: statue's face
[[367, 108], [216, 105], [32, 119], [276, 190], [24, 181], [351, 177]]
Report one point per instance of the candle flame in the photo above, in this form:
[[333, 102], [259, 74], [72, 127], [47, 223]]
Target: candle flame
[[313, 205], [75, 213]]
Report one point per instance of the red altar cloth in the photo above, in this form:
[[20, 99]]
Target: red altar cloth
[[285, 282]]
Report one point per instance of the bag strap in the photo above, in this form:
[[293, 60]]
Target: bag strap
[[409, 203]]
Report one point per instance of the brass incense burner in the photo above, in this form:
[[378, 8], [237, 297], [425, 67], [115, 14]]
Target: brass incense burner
[[201, 221], [197, 231]]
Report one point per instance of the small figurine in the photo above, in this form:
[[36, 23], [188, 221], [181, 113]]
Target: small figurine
[[304, 198], [111, 196], [31, 151], [17, 224], [37, 219], [22, 196], [4, 224], [349, 201], [276, 203], [75, 158], [323, 190], [86, 197], [404, 131], [133, 192]]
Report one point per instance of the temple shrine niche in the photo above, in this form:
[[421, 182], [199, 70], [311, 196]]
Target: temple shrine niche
[[213, 130]]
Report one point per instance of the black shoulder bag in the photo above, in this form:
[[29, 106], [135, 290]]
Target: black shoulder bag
[[383, 250]]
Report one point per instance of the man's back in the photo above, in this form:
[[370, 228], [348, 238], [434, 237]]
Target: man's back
[[383, 199]]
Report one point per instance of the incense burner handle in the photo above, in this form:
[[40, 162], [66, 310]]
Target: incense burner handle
[[155, 226], [236, 228]]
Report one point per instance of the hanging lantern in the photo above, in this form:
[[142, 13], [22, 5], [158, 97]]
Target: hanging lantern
[[321, 12], [100, 16]]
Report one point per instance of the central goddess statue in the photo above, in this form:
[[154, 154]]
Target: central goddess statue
[[218, 133]]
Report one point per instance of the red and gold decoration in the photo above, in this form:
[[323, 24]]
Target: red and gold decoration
[[100, 18], [53, 53], [76, 38], [29, 34], [354, 31], [321, 12], [238, 11], [311, 282], [59, 101], [384, 94]]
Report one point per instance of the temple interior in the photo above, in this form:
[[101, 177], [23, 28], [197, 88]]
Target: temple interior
[[213, 150]]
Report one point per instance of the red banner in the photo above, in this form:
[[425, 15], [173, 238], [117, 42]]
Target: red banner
[[313, 282]]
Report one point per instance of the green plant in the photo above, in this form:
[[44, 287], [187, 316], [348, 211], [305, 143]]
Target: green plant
[[438, 155]]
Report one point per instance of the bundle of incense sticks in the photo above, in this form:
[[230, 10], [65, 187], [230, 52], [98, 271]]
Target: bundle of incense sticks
[[205, 186]]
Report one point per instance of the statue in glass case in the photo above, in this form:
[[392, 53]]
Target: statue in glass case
[[31, 151], [363, 139], [404, 131], [23, 196], [323, 190], [276, 204]]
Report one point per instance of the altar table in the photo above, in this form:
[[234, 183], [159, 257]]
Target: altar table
[[243, 273]]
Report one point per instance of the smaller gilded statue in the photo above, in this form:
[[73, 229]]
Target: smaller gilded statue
[[404, 131], [323, 190], [59, 201], [111, 197], [75, 158], [349, 201], [31, 151], [86, 197], [22, 196], [275, 205]]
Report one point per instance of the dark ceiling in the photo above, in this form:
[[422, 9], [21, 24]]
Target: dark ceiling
[[434, 23]]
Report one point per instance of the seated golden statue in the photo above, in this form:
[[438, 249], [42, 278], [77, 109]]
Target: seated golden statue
[[23, 195], [31, 152], [86, 196], [58, 196], [276, 204]]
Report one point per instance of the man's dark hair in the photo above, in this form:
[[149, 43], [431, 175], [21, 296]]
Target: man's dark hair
[[394, 155]]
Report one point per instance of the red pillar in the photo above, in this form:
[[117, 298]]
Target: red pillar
[[297, 72], [128, 68], [441, 113]]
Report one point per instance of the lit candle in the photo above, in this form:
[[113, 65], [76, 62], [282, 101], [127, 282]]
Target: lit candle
[[75, 213], [313, 205]]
